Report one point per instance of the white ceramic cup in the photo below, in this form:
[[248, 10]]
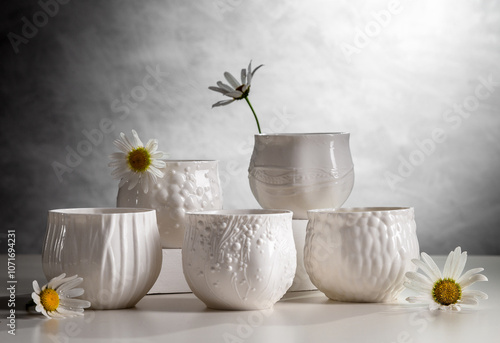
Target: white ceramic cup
[[188, 185], [116, 251], [239, 259], [360, 254], [301, 171]]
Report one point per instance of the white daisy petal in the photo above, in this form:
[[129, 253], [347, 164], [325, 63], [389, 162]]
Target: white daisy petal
[[249, 73], [243, 76], [157, 157], [152, 145], [222, 103], [469, 273], [55, 281], [72, 293], [253, 72], [419, 278], [127, 142], [36, 288], [138, 141], [217, 89], [432, 265], [427, 270], [475, 293], [473, 279], [123, 146], [69, 284], [225, 87], [232, 80], [448, 265], [459, 266], [235, 94], [469, 301]]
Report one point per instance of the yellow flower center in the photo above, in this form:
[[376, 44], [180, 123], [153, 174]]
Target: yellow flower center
[[49, 299], [446, 292], [139, 159]]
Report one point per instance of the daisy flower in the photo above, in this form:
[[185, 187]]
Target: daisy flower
[[136, 163], [54, 299], [236, 90], [446, 291]]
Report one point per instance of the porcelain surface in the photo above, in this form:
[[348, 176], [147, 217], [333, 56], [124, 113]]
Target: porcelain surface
[[240, 259], [300, 172], [186, 186], [116, 251], [360, 255], [301, 281]]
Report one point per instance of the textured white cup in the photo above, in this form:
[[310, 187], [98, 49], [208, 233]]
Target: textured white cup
[[239, 259], [186, 186], [360, 254], [301, 171], [116, 251]]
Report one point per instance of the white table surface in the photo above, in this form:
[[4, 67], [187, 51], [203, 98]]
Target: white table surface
[[298, 317]]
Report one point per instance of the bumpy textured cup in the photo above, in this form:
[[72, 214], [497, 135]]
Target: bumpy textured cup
[[239, 259], [301, 171], [116, 251], [186, 186], [360, 254]]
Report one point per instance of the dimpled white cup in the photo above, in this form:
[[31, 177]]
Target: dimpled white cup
[[360, 254], [186, 186]]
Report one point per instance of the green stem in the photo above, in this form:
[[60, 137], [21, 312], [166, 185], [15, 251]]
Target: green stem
[[256, 119]]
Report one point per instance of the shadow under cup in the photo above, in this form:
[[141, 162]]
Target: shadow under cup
[[116, 251]]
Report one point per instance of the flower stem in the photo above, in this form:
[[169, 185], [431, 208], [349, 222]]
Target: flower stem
[[256, 119]]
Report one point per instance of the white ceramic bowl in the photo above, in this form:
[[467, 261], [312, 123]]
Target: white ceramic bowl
[[360, 254], [187, 186], [239, 259], [116, 251], [301, 171]]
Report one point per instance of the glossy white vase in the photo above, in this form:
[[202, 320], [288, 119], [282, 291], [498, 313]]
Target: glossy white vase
[[116, 251], [186, 186], [239, 259], [301, 171], [361, 254]]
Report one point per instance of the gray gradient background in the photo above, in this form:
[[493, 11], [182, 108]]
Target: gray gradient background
[[393, 92]]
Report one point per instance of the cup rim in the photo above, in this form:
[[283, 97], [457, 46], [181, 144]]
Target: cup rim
[[361, 209], [101, 211], [241, 212], [298, 134]]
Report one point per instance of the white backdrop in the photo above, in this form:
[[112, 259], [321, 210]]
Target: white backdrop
[[416, 83]]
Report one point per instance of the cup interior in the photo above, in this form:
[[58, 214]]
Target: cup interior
[[358, 210], [241, 212], [101, 211]]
